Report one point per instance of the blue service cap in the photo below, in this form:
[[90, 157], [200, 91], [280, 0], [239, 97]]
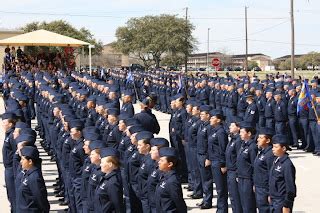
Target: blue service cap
[[277, 92], [92, 98], [90, 136], [266, 131], [76, 124], [109, 151], [144, 135], [100, 100], [30, 139], [90, 129], [113, 89], [30, 151], [19, 113], [28, 131], [113, 111], [132, 122], [127, 92], [97, 144], [124, 116], [136, 128], [246, 125], [21, 97], [269, 89], [168, 152], [21, 125], [159, 142], [9, 115], [280, 139], [235, 119], [205, 108], [216, 112]]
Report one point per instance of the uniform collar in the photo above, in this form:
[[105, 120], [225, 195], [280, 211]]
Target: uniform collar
[[30, 171], [283, 158], [168, 174], [111, 174], [266, 149]]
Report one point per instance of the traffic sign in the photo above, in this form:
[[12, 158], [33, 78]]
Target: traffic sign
[[215, 62]]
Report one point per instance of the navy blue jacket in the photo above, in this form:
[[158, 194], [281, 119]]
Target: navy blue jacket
[[282, 181], [169, 197], [217, 144], [109, 194], [202, 138], [32, 193], [262, 166], [245, 159], [232, 150]]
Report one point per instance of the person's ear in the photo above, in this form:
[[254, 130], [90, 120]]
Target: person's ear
[[170, 165]]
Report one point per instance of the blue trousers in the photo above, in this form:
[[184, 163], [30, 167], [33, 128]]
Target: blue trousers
[[312, 136], [10, 186], [233, 192], [221, 187], [206, 180], [303, 127], [247, 198], [280, 127], [317, 143], [262, 199], [277, 205], [270, 123], [195, 171], [293, 132]]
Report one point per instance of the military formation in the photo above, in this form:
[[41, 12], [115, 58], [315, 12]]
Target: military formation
[[229, 132]]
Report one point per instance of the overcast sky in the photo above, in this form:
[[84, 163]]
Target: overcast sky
[[268, 24]]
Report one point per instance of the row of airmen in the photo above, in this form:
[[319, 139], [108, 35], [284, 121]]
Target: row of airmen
[[57, 133]]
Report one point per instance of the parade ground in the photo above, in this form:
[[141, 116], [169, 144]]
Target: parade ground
[[307, 176]]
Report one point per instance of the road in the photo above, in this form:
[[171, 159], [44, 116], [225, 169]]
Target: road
[[307, 176]]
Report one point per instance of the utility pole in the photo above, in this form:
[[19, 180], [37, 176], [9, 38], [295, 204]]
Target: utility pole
[[292, 39], [246, 29], [187, 49], [208, 50]]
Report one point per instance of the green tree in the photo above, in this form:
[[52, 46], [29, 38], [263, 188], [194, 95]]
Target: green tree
[[311, 59], [252, 65], [285, 65], [152, 38], [64, 28]]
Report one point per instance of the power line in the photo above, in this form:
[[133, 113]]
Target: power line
[[240, 18], [282, 42]]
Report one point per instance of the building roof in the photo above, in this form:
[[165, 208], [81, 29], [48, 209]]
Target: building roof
[[283, 58], [205, 54], [249, 55], [42, 38]]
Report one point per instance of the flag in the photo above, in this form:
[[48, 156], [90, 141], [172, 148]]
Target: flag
[[129, 77], [304, 99], [179, 83]]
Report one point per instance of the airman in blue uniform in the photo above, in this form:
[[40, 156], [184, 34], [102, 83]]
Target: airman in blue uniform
[[282, 187], [169, 196]]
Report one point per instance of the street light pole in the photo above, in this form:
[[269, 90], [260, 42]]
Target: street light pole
[[208, 49], [246, 26], [292, 39]]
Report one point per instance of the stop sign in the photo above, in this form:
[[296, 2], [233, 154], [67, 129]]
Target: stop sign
[[215, 62]]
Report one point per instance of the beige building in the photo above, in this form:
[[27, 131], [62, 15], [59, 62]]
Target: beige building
[[199, 60], [111, 58], [7, 34]]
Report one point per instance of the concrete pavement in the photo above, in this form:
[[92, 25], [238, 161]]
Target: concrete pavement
[[307, 175]]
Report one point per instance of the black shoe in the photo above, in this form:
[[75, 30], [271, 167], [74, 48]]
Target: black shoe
[[317, 154], [60, 194], [64, 203], [58, 188], [206, 206], [56, 184], [199, 204], [53, 158], [196, 196], [189, 195], [61, 199]]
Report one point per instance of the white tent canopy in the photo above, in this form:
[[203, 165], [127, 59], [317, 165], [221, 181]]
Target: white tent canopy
[[45, 38]]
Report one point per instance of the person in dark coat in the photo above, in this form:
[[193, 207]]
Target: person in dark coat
[[32, 192], [282, 187], [109, 193], [169, 197]]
